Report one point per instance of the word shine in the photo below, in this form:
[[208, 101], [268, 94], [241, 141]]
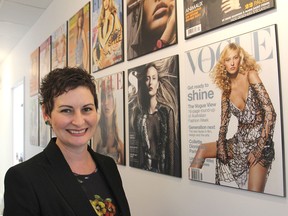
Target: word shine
[[200, 95]]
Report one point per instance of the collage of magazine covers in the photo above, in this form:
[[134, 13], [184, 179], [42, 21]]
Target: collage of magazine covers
[[247, 130], [234, 133]]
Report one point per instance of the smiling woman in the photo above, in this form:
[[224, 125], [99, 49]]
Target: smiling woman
[[68, 174]]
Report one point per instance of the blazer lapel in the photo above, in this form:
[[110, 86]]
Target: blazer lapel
[[61, 174]]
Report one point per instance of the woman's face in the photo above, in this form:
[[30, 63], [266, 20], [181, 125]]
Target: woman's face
[[79, 20], [156, 15], [107, 103], [106, 4], [152, 82], [74, 117], [232, 62]]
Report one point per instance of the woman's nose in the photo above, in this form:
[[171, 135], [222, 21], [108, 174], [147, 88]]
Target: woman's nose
[[78, 118]]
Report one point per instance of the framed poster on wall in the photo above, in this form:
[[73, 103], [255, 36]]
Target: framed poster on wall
[[79, 39], [109, 138], [34, 123], [45, 67], [151, 25], [154, 122], [201, 16], [34, 72], [234, 113], [59, 47], [107, 34]]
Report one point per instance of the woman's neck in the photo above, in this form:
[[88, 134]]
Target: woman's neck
[[79, 160], [153, 104]]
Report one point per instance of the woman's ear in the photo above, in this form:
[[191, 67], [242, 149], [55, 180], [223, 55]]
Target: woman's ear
[[45, 116]]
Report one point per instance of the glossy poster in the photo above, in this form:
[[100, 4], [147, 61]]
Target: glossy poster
[[151, 26], [203, 15], [241, 131], [109, 138], [79, 39], [107, 33], [59, 47], [34, 72], [154, 119]]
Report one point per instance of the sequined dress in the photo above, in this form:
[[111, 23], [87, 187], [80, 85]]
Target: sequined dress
[[254, 134]]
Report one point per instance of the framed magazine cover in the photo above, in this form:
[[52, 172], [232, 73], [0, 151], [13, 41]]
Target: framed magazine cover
[[107, 34], [237, 139], [79, 39], [34, 72], [154, 122], [45, 68], [34, 123], [151, 26], [109, 138], [201, 16], [59, 47]]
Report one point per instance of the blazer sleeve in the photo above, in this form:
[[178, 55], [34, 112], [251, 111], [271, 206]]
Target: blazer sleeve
[[19, 198]]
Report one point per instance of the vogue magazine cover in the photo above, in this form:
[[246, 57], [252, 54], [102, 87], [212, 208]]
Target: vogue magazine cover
[[234, 113], [154, 122], [109, 137], [203, 15], [79, 39], [107, 33], [151, 25]]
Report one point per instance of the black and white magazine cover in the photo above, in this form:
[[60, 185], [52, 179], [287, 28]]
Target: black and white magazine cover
[[154, 122]]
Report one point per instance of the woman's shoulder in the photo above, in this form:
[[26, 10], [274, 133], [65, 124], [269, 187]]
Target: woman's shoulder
[[253, 77], [27, 167]]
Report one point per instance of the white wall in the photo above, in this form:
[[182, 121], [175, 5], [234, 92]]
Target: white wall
[[149, 193]]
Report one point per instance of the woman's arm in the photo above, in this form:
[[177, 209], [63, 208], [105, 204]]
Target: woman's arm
[[108, 29], [85, 50], [269, 115], [222, 153], [19, 197]]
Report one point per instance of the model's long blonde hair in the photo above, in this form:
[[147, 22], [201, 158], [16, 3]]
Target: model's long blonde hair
[[219, 73]]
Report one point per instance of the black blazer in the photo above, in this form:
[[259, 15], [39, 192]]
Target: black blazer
[[45, 186]]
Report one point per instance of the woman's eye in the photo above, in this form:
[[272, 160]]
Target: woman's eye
[[66, 111], [87, 109]]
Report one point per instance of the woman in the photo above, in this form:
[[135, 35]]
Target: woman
[[108, 45], [245, 158], [152, 26], [81, 43], [155, 118], [68, 177], [108, 141]]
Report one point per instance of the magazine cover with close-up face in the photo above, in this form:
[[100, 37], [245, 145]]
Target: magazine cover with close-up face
[[154, 120], [234, 113], [151, 25]]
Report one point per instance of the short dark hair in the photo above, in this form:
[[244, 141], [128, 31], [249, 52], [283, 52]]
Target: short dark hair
[[61, 80]]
